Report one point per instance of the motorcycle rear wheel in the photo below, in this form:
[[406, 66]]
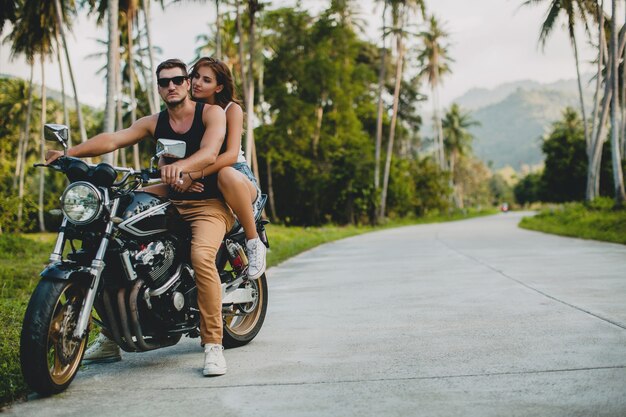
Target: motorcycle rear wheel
[[49, 356], [244, 322]]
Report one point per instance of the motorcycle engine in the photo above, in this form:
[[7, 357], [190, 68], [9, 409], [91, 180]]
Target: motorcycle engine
[[155, 260]]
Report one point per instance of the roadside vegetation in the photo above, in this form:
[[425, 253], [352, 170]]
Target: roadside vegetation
[[22, 257], [598, 220]]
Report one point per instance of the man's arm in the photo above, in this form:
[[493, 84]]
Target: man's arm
[[212, 139], [108, 142]]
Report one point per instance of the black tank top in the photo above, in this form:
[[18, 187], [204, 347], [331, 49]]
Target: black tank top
[[192, 137]]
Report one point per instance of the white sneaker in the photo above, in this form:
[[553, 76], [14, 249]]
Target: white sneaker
[[103, 350], [256, 258], [214, 361]]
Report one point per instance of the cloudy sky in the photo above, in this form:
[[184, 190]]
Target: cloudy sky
[[492, 42]]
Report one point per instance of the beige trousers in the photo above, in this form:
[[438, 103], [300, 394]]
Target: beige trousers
[[209, 220]]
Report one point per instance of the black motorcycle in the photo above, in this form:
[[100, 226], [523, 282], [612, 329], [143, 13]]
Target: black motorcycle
[[129, 260]]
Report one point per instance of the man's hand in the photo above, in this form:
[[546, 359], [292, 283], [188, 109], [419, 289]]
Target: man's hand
[[171, 174], [52, 155]]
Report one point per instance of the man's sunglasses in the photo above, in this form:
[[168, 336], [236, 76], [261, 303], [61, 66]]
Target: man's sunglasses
[[165, 82]]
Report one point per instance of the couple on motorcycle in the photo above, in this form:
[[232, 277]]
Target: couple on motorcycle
[[206, 186]]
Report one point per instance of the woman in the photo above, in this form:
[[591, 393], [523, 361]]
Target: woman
[[212, 83]]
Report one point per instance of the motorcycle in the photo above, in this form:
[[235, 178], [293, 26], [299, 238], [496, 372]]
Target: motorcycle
[[131, 273]]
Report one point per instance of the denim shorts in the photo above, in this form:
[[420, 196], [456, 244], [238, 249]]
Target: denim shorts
[[245, 170]]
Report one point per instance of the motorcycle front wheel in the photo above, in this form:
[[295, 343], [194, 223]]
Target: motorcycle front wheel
[[49, 356], [242, 322]]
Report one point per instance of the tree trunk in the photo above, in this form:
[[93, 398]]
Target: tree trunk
[[153, 85], [270, 186], [250, 84], [131, 85], [112, 68], [580, 90], [394, 119], [79, 112], [379, 115], [594, 147], [618, 178], [22, 156], [42, 148], [218, 31], [120, 153], [319, 115], [66, 115], [242, 58], [147, 78]]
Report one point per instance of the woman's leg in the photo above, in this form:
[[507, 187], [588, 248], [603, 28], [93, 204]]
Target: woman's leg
[[239, 193]]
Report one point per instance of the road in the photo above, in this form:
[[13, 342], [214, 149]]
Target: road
[[469, 318]]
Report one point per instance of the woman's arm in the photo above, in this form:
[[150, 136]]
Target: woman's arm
[[234, 123]]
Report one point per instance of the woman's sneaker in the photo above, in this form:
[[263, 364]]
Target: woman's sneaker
[[103, 350], [256, 258]]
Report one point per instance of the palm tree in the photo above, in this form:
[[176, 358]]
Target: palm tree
[[8, 12], [63, 14], [574, 11], [434, 59], [399, 11], [151, 85], [381, 85], [32, 36], [457, 140]]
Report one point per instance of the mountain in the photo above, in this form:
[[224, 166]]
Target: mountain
[[515, 116]]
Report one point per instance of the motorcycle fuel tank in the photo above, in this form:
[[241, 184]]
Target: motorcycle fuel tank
[[145, 215]]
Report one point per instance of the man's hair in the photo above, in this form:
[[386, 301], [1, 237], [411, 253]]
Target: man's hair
[[172, 63]]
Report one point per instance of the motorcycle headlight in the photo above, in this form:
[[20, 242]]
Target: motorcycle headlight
[[81, 202]]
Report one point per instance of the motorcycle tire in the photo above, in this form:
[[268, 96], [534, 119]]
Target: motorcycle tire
[[49, 356], [245, 321]]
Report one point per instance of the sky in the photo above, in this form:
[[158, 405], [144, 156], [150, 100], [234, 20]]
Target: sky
[[491, 42]]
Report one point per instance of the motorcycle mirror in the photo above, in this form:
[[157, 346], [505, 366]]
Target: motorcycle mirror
[[56, 133], [171, 148]]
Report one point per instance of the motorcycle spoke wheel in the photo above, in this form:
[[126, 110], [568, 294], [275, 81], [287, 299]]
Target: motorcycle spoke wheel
[[49, 355], [242, 322], [62, 348]]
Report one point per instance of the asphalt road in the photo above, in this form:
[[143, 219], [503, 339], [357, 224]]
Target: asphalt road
[[470, 318]]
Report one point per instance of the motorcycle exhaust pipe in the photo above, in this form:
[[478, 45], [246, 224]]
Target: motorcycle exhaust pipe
[[121, 304], [112, 320], [134, 318]]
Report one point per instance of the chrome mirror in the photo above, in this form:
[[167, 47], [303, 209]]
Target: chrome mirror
[[171, 148], [56, 133]]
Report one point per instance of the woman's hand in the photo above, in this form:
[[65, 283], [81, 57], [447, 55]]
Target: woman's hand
[[186, 184]]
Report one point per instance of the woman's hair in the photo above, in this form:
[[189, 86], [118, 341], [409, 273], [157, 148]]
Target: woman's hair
[[223, 77]]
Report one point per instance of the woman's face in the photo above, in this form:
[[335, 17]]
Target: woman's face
[[204, 85]]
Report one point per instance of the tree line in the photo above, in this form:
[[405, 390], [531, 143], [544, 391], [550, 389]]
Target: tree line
[[607, 122], [333, 121]]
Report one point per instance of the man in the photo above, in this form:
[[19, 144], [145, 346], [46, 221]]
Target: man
[[203, 128]]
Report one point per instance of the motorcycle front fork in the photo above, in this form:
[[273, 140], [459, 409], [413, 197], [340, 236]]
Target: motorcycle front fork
[[95, 270]]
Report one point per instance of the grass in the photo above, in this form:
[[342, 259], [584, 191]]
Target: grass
[[22, 257], [598, 220]]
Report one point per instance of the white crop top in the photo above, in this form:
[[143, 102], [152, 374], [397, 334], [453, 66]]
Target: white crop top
[[241, 157]]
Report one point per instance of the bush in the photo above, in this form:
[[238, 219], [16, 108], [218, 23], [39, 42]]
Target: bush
[[12, 384]]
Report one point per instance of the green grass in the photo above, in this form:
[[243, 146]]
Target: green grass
[[597, 220], [22, 257]]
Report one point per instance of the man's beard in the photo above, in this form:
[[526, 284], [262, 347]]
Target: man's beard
[[174, 104]]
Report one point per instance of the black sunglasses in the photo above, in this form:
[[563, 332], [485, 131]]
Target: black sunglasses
[[165, 82]]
